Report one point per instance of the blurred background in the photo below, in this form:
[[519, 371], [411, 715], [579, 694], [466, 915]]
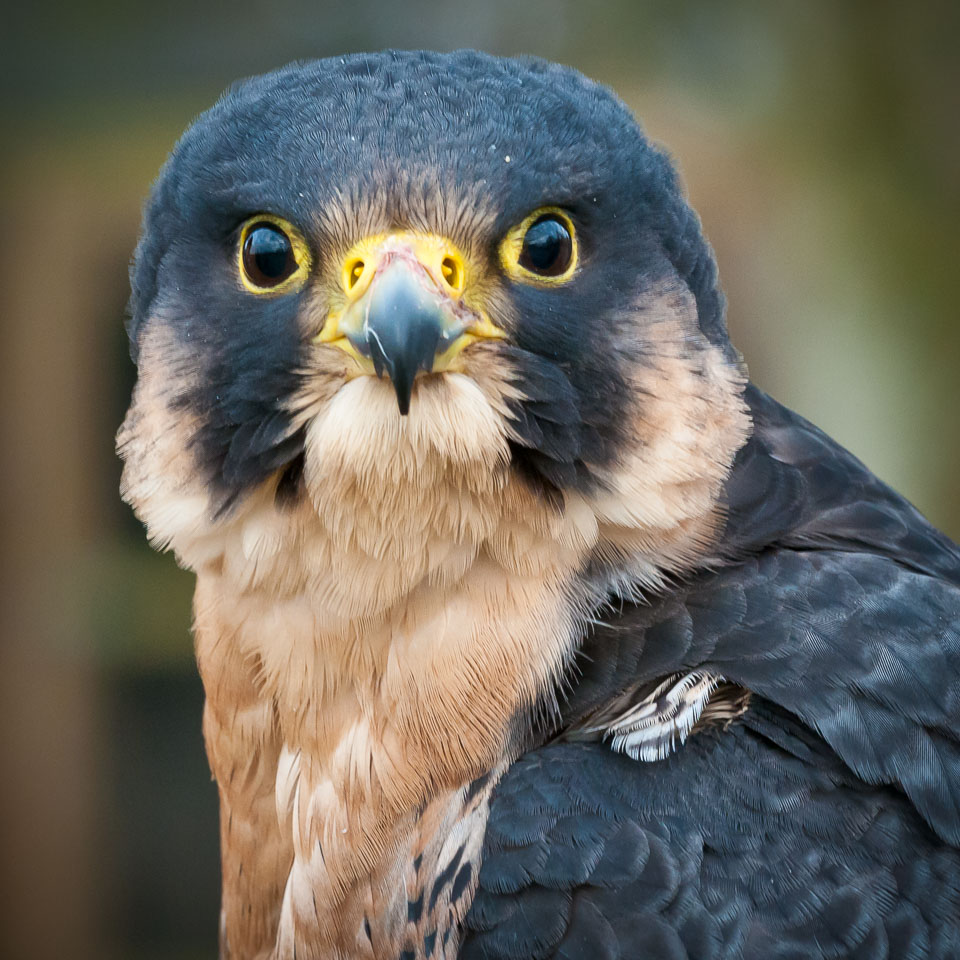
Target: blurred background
[[819, 142]]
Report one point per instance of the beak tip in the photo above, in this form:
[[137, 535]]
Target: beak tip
[[403, 391]]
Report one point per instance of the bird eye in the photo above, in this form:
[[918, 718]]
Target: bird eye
[[273, 256], [268, 255], [547, 247], [542, 248]]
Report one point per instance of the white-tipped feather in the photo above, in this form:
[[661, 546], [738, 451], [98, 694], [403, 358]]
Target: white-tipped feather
[[662, 721]]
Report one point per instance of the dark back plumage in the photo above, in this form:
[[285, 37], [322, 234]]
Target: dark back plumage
[[825, 822]]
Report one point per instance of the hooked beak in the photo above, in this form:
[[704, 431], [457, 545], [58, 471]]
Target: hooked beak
[[405, 313], [404, 328]]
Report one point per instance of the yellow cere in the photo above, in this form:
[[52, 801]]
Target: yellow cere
[[442, 260], [301, 255], [439, 256], [512, 246]]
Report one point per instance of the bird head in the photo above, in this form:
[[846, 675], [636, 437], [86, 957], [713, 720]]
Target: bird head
[[423, 268]]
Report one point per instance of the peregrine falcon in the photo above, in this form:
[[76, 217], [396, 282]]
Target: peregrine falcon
[[528, 626]]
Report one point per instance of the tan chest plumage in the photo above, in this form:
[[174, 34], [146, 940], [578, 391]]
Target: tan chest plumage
[[403, 639], [368, 723]]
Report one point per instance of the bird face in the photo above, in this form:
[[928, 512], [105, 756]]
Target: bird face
[[366, 279]]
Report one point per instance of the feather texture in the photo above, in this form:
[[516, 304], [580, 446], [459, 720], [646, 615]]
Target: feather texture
[[825, 820]]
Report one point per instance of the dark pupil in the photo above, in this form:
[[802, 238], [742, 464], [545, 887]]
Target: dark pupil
[[547, 247], [267, 255]]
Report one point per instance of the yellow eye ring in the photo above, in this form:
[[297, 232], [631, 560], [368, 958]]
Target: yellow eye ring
[[272, 255], [542, 248]]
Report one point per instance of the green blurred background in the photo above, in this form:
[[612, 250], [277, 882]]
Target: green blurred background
[[818, 140]]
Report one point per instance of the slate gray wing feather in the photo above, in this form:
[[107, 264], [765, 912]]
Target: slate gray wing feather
[[825, 822], [754, 843]]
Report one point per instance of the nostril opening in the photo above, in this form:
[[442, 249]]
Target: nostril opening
[[452, 272], [352, 273]]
